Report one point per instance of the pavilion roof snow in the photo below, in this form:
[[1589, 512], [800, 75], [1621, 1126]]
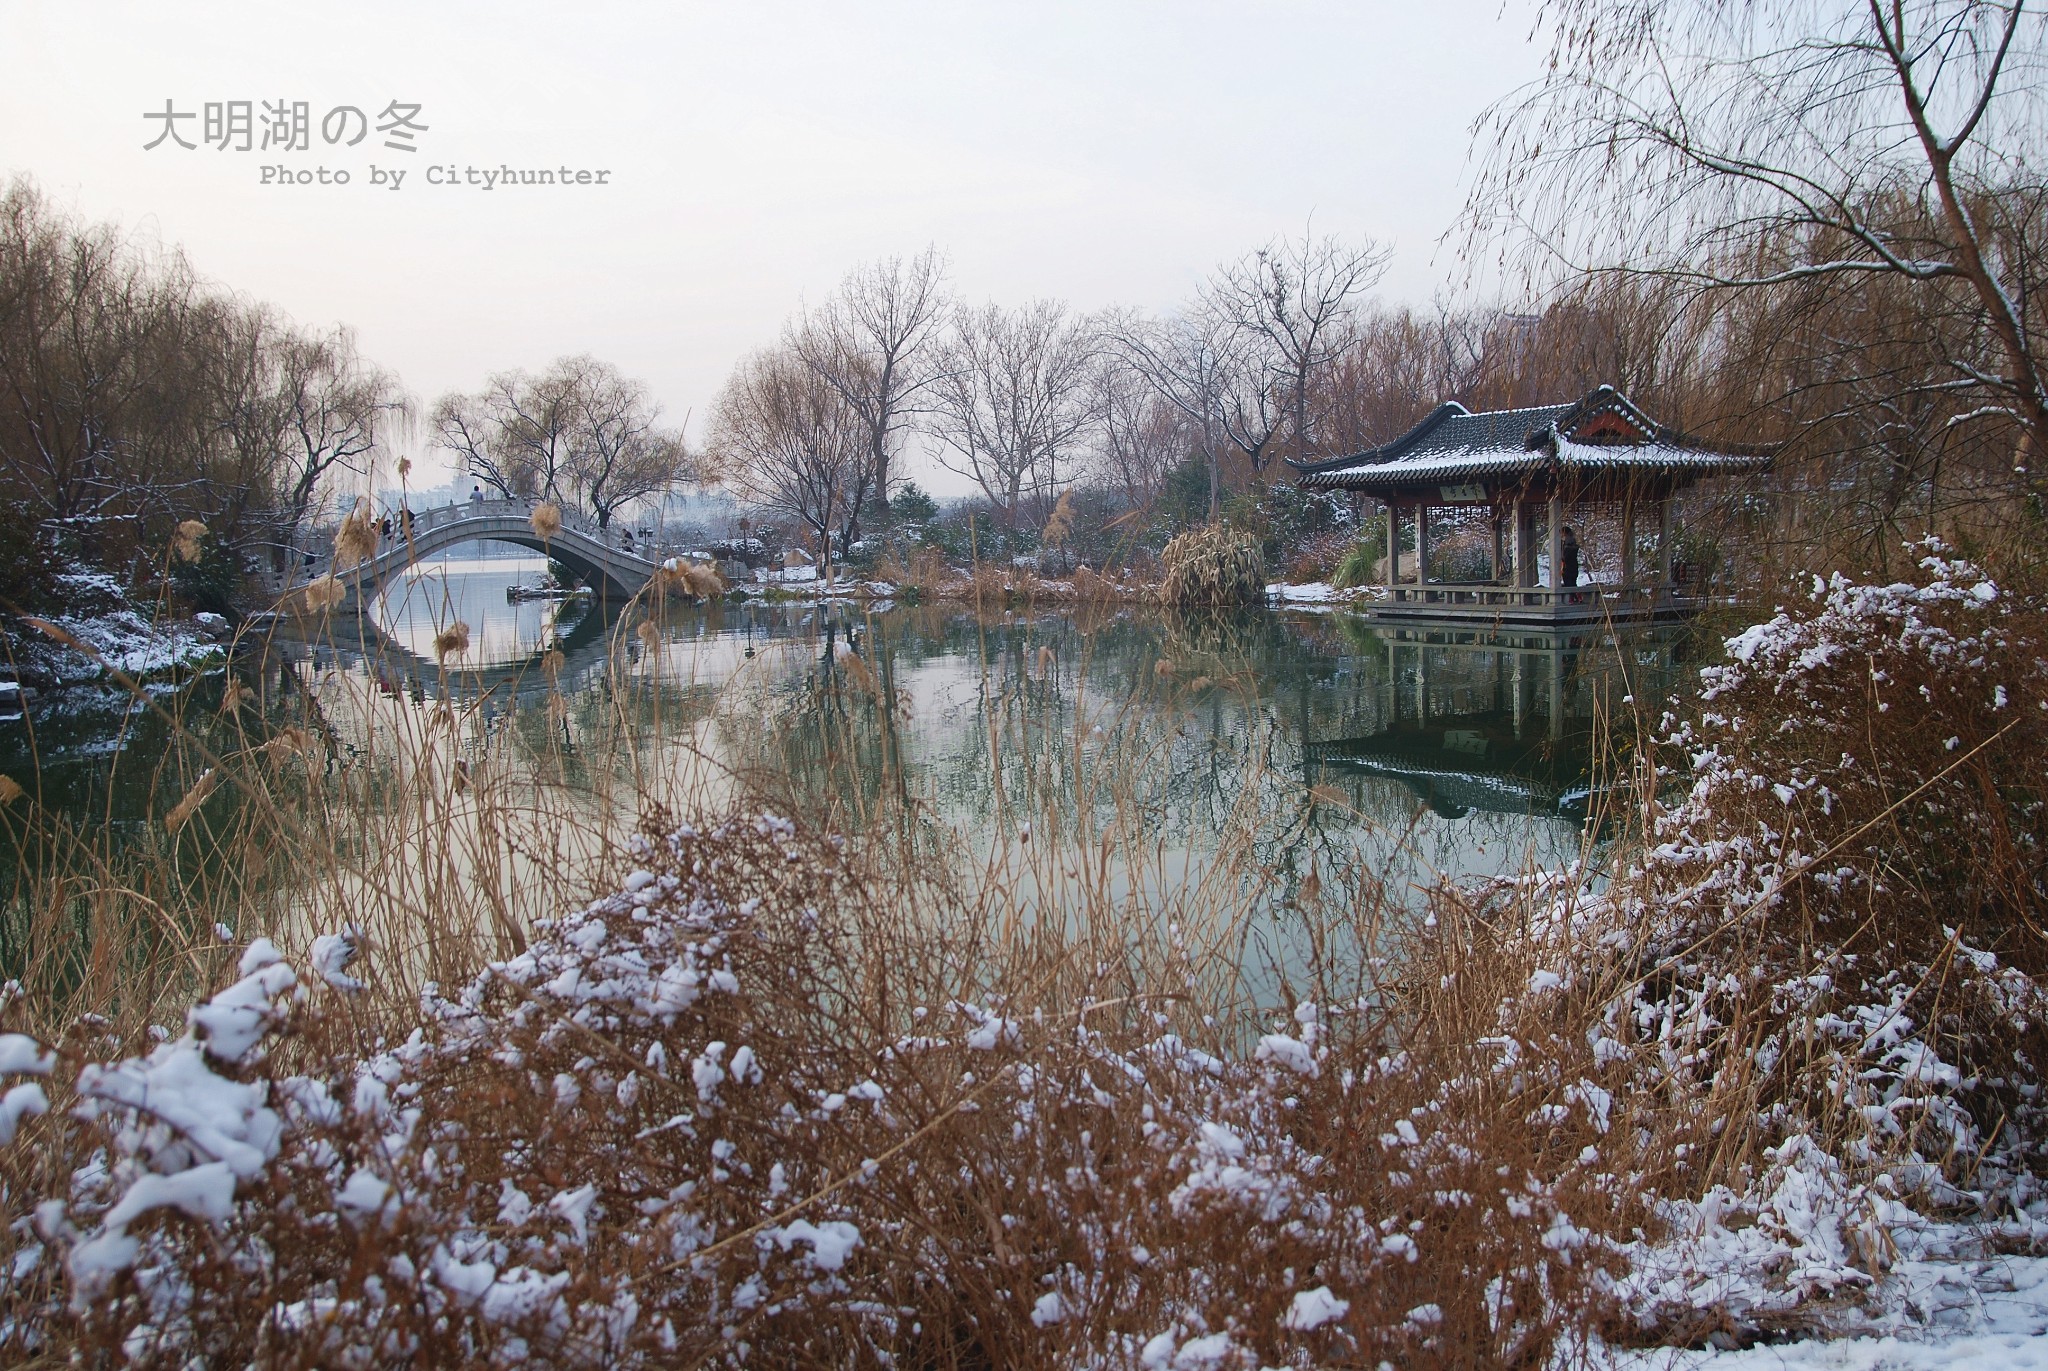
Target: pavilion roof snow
[[1601, 433], [1570, 457]]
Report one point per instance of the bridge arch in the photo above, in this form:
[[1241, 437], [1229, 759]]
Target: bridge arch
[[615, 572], [618, 575]]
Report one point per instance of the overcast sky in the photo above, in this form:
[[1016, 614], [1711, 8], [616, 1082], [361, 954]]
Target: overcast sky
[[1099, 153]]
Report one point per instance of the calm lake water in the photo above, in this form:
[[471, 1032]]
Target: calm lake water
[[1331, 739], [1428, 756]]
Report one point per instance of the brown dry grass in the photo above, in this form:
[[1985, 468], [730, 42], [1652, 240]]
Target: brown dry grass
[[1213, 566], [1075, 1149]]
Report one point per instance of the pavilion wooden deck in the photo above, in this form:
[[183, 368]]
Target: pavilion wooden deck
[[1587, 606]]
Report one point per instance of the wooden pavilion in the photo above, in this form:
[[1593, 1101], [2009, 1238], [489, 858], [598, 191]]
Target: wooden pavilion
[[1531, 472]]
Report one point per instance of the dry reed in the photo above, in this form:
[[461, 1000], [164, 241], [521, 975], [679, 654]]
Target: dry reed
[[187, 545], [1213, 566], [355, 541]]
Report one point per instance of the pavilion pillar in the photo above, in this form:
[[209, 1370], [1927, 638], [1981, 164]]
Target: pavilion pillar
[[1393, 545], [1525, 543], [1664, 541], [1493, 573], [1515, 541], [1556, 539], [1628, 538], [1421, 543]]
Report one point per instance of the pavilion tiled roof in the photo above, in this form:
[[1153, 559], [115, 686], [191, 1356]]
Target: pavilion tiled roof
[[1602, 434]]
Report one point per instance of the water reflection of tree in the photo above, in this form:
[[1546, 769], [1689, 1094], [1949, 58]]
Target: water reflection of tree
[[1208, 742], [141, 799], [1071, 719], [826, 739]]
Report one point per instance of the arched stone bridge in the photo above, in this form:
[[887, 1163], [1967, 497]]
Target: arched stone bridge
[[615, 574]]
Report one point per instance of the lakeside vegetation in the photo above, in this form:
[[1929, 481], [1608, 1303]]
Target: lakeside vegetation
[[372, 1037]]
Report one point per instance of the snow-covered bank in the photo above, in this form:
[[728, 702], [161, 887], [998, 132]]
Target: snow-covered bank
[[126, 642], [1973, 1352], [103, 634], [1316, 595], [1837, 1274]]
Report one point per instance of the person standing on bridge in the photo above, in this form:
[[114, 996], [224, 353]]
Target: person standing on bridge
[[405, 522], [476, 499]]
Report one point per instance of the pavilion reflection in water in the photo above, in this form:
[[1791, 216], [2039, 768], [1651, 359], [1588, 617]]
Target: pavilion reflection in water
[[1501, 720]]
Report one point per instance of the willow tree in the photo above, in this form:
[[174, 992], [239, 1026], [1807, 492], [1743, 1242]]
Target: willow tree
[[622, 453], [1854, 186], [786, 441], [581, 431], [337, 412]]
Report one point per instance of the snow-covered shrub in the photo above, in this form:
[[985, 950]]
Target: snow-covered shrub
[[1819, 968], [1854, 884], [738, 1110]]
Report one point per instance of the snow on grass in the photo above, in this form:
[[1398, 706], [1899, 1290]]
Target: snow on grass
[[126, 642], [1314, 1308]]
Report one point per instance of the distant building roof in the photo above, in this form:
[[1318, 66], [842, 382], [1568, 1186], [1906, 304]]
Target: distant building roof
[[1601, 437]]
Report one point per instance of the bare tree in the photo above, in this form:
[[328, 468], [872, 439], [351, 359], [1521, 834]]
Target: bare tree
[[873, 343], [621, 453], [1139, 435], [1251, 395], [1289, 305], [1012, 405], [784, 439], [1185, 360]]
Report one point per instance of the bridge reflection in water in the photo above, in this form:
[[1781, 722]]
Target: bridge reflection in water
[[1506, 721], [1512, 723]]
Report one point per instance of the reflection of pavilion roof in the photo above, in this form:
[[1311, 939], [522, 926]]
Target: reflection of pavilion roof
[[1603, 435], [1464, 762]]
